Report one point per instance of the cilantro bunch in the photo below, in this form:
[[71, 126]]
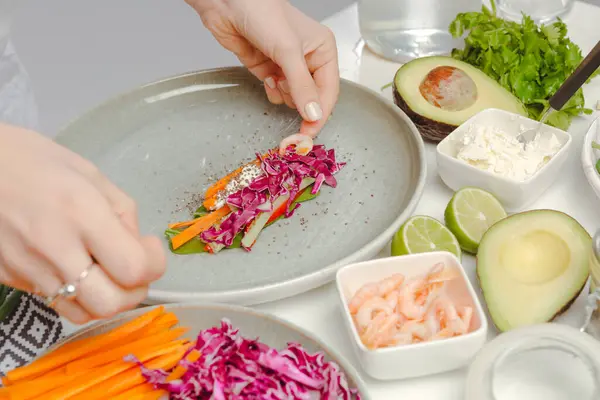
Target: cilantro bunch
[[530, 61]]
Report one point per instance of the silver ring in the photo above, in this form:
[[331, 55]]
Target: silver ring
[[69, 290]]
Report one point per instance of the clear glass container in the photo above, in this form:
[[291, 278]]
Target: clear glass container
[[401, 30], [539, 10], [593, 326], [595, 263], [542, 362]]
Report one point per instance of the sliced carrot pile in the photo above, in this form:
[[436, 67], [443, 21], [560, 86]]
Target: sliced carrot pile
[[96, 367], [201, 224]]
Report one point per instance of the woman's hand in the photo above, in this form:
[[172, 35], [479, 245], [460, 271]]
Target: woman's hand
[[295, 56], [59, 215]]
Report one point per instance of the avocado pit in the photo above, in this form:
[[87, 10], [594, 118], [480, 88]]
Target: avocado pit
[[449, 88]]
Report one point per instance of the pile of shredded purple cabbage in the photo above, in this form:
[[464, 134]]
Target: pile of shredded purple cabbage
[[232, 367], [281, 175]]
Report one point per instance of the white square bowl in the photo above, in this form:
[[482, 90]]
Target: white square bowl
[[513, 194], [420, 359]]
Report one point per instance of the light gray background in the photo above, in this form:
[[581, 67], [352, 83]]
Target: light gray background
[[81, 52]]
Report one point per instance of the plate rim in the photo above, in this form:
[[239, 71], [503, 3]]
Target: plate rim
[[304, 283], [336, 356]]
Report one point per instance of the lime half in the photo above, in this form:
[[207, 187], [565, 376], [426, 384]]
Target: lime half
[[470, 213], [422, 234]]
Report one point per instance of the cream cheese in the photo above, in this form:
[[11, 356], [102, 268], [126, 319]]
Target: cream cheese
[[248, 174], [491, 149]]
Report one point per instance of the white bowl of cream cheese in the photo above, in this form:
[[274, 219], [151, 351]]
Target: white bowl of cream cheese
[[484, 152], [591, 155]]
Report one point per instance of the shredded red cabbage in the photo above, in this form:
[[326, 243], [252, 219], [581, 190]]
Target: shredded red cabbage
[[232, 367], [282, 175]]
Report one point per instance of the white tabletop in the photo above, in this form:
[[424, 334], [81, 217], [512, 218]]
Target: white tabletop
[[318, 310]]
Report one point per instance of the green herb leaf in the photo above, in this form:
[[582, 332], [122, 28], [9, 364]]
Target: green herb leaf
[[530, 61], [10, 304], [200, 212]]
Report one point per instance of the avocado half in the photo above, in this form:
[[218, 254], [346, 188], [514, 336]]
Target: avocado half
[[440, 93], [532, 266]]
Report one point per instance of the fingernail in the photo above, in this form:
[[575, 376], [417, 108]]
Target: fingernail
[[270, 82], [313, 111], [283, 84]]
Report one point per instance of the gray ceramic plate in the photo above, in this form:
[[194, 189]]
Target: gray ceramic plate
[[269, 329], [164, 143]]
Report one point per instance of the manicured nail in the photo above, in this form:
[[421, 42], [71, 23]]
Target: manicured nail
[[283, 85], [313, 111], [270, 82]]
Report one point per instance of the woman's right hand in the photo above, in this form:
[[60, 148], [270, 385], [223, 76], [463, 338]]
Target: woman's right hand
[[59, 215]]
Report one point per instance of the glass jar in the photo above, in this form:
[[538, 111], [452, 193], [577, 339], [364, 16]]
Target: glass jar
[[401, 30], [544, 362], [541, 11], [595, 263], [541, 362]]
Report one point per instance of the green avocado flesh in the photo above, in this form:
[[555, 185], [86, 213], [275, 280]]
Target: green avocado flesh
[[440, 93], [532, 266], [198, 246]]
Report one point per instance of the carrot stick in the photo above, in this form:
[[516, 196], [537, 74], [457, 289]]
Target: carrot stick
[[134, 391], [76, 350], [156, 395], [129, 378], [199, 226], [32, 388], [180, 370], [184, 224], [135, 348], [165, 321], [105, 373]]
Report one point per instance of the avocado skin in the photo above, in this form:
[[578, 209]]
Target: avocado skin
[[429, 129]]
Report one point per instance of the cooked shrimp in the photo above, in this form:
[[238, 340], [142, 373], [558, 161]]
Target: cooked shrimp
[[409, 304], [392, 299], [370, 309], [398, 339], [363, 294], [466, 315], [396, 311], [302, 143], [451, 323], [390, 284], [416, 329], [380, 330], [435, 279], [433, 325]]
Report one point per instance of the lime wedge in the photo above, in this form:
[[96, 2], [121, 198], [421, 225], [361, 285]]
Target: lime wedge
[[422, 234], [470, 213]]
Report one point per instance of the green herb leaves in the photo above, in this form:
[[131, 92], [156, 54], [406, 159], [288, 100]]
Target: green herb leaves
[[8, 301], [529, 60]]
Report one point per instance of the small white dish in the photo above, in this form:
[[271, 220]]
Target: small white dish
[[590, 156], [420, 359], [513, 194]]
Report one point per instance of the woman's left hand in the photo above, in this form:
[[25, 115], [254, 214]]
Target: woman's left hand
[[295, 56]]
